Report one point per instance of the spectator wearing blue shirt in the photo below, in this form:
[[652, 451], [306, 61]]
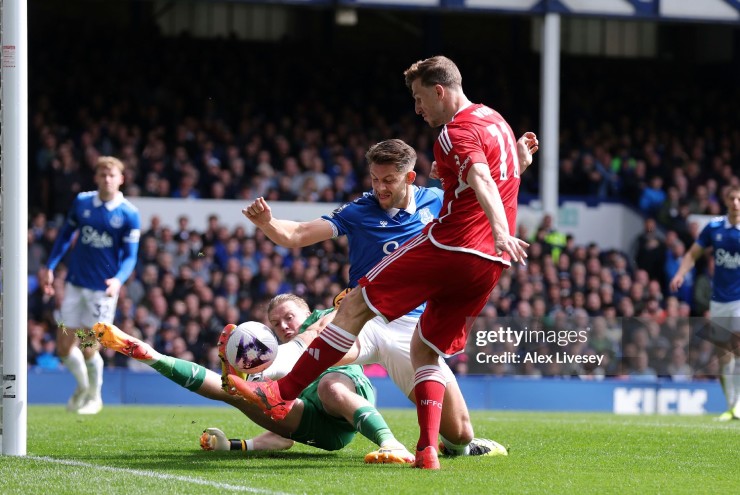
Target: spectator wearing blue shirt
[[652, 197]]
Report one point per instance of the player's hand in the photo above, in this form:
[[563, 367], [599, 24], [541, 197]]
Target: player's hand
[[526, 147], [114, 287], [338, 298], [47, 281], [676, 283], [226, 368], [259, 212], [434, 172], [515, 247]]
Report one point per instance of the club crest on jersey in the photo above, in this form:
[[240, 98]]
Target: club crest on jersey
[[425, 216], [719, 237], [86, 214], [116, 221]]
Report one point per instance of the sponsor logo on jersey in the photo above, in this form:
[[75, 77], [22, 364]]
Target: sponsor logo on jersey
[[390, 246], [383, 223], [93, 238], [86, 214], [726, 259], [459, 168]]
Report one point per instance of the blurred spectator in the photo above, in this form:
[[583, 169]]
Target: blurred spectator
[[652, 197]]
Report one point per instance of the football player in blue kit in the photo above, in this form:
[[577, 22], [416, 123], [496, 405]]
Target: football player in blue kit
[[100, 261], [722, 235]]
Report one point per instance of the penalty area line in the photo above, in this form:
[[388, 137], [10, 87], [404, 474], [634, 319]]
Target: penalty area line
[[159, 476]]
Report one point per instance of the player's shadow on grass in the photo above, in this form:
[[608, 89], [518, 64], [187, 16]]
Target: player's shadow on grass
[[176, 461]]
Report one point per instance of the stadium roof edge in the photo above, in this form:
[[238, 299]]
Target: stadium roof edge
[[706, 11]]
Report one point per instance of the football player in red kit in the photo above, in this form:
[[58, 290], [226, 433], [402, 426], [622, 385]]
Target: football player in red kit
[[452, 265]]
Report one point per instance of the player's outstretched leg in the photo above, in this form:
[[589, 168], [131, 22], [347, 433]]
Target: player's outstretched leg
[[112, 337], [477, 446], [265, 395], [427, 458]]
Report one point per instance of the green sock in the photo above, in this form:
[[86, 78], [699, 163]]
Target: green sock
[[184, 373], [371, 424]]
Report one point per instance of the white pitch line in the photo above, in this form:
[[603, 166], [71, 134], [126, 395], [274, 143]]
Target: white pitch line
[[161, 476]]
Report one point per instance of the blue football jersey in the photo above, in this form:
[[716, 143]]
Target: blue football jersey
[[107, 243], [374, 232], [725, 239]]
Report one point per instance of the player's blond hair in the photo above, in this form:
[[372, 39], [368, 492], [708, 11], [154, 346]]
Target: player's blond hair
[[109, 162], [392, 152], [435, 70], [281, 298], [731, 189]]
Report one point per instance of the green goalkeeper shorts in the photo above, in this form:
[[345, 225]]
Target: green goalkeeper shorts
[[317, 427]]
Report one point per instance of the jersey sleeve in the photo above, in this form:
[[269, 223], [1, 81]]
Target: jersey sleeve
[[341, 219], [64, 237], [705, 236], [130, 247]]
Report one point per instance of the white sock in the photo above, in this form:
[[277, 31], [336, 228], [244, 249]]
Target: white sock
[[75, 363], [95, 375], [728, 383], [736, 383], [454, 448]]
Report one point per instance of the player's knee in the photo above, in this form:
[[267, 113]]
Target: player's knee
[[332, 394]]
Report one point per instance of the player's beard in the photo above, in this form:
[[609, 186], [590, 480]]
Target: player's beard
[[394, 201]]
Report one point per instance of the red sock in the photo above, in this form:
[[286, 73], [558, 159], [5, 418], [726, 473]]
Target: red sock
[[329, 347], [429, 387]]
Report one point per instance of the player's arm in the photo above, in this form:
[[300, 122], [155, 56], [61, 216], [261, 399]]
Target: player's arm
[[130, 251], [526, 147], [315, 328], [61, 245], [287, 233], [479, 179], [687, 263]]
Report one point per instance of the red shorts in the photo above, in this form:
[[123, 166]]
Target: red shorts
[[455, 285]]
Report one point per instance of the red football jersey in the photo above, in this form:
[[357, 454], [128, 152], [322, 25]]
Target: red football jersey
[[477, 134]]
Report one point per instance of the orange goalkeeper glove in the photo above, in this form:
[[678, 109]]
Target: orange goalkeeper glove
[[338, 298]]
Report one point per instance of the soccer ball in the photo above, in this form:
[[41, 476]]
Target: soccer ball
[[251, 347]]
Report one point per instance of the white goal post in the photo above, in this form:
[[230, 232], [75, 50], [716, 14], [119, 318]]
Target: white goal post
[[14, 228]]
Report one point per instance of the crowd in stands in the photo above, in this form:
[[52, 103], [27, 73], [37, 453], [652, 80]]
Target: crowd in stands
[[291, 137]]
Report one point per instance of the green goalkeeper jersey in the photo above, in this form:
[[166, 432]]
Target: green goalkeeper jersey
[[315, 316]]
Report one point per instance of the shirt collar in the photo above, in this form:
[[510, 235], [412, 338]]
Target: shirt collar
[[728, 225], [410, 208], [110, 205]]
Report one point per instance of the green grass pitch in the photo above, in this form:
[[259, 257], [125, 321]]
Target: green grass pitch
[[131, 450]]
